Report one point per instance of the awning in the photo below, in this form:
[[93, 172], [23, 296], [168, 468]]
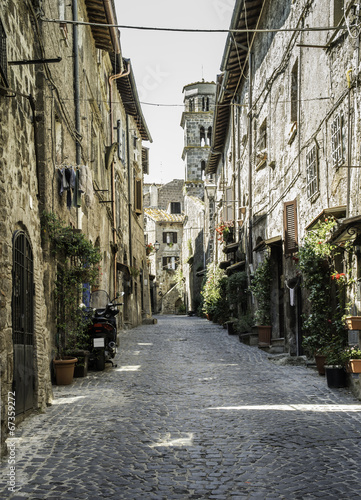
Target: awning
[[233, 247], [123, 268], [347, 229], [238, 266], [276, 240], [336, 212]]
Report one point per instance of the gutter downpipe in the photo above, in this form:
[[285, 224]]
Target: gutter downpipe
[[129, 197], [250, 255], [76, 81], [111, 79], [348, 143]]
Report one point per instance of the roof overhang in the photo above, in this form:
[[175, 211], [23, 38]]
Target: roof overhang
[[103, 12], [128, 90], [234, 65]]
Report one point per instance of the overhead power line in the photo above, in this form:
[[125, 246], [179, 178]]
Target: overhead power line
[[190, 30]]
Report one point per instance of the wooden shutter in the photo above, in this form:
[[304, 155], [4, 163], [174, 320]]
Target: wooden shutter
[[229, 204], [164, 237], [290, 226], [174, 237], [138, 196]]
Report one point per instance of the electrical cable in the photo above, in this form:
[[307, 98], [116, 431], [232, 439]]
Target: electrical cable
[[190, 30]]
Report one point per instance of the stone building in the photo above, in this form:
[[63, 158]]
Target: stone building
[[71, 144], [285, 145], [197, 122], [164, 219]]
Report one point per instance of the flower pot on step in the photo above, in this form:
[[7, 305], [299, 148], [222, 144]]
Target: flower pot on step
[[336, 376], [264, 334], [64, 370]]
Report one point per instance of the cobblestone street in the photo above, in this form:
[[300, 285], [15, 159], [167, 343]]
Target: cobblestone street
[[191, 413]]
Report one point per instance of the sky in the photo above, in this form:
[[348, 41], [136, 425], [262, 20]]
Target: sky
[[164, 62]]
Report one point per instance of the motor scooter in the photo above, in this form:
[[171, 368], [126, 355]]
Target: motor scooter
[[103, 329]]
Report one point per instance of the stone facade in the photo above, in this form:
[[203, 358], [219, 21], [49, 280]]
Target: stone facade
[[285, 143], [58, 117]]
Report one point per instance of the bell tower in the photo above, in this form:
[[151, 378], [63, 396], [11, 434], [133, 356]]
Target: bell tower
[[197, 122]]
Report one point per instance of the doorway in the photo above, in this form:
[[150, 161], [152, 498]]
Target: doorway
[[23, 323]]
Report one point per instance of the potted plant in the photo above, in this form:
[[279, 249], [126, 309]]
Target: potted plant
[[77, 271], [353, 322], [335, 367], [323, 322], [211, 293], [351, 357], [261, 290]]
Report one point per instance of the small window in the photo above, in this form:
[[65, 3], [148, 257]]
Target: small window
[[209, 136], [229, 216], [175, 207], [191, 105], [336, 140], [312, 172], [3, 57], [138, 198], [119, 139], [202, 136], [169, 237], [170, 262], [294, 93]]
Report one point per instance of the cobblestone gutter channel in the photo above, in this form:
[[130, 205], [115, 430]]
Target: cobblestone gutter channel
[[190, 413]]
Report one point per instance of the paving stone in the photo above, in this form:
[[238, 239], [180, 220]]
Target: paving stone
[[196, 414]]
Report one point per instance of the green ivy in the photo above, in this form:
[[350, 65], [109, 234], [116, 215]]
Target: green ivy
[[324, 327], [79, 265], [261, 289]]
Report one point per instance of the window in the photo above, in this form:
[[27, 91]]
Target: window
[[175, 207], [202, 137], [119, 139], [290, 226], [209, 135], [205, 103], [191, 105], [229, 204], [312, 172], [3, 58], [138, 198], [336, 140], [169, 237], [337, 11], [294, 92], [170, 262]]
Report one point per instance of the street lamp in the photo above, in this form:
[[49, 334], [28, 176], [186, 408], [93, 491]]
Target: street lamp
[[156, 246]]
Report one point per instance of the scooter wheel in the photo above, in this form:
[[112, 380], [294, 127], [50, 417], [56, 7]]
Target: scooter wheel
[[100, 361]]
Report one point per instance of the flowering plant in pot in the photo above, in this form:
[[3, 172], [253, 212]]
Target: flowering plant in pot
[[323, 323], [77, 263], [351, 357]]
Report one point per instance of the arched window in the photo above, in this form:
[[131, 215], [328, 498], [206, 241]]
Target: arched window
[[209, 136], [202, 136], [191, 105]]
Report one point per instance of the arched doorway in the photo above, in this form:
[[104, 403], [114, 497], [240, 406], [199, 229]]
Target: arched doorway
[[23, 322]]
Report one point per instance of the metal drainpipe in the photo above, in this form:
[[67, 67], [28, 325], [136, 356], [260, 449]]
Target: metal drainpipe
[[76, 82], [111, 79], [250, 251], [129, 197]]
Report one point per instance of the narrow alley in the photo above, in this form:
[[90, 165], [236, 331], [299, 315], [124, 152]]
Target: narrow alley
[[191, 413]]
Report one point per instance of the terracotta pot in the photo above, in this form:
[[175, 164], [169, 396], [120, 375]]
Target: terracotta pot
[[264, 334], [355, 365], [353, 322], [64, 370], [320, 363]]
